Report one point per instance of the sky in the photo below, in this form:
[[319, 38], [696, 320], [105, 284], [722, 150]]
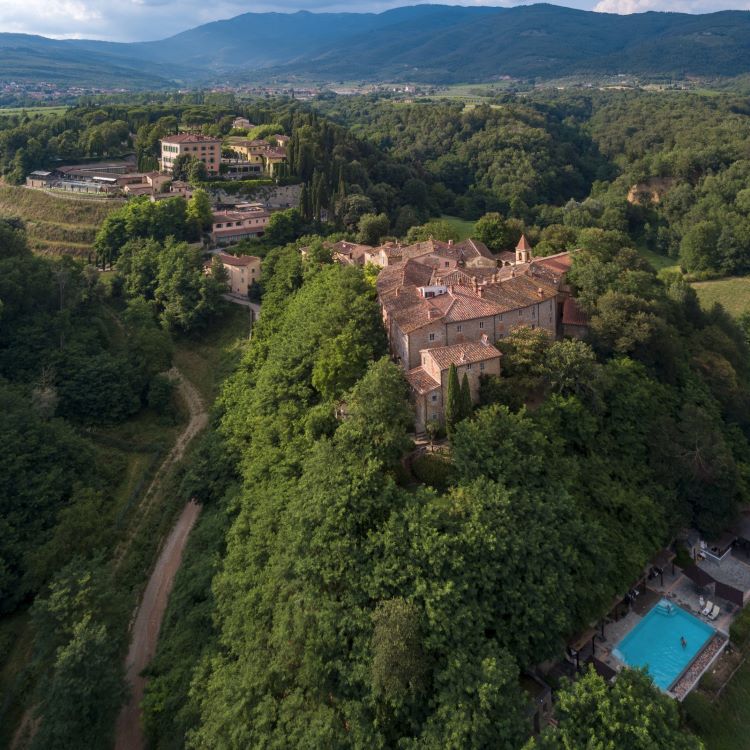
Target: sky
[[142, 20]]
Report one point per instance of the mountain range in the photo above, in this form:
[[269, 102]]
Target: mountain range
[[423, 43]]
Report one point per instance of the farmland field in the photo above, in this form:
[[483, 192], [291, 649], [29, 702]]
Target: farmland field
[[55, 225], [31, 111], [733, 293]]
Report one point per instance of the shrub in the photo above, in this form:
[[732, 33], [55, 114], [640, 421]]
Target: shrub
[[739, 631], [434, 471], [683, 558], [160, 391], [699, 711]]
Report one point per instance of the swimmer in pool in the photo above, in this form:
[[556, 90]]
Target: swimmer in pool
[[683, 642]]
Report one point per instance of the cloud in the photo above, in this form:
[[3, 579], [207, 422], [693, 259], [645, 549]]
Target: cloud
[[625, 7]]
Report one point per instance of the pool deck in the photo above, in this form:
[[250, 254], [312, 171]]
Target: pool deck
[[683, 592]]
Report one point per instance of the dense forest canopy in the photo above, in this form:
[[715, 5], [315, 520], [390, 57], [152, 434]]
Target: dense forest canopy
[[353, 608], [332, 598]]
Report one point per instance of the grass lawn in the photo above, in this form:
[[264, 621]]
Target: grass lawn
[[462, 226], [658, 261], [206, 359], [733, 293]]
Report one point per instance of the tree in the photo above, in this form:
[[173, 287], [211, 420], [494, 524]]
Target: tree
[[698, 249], [399, 664], [570, 367], [181, 166], [352, 208], [197, 172], [186, 296], [283, 227], [436, 230], [82, 683], [632, 714], [453, 403], [494, 231], [372, 227], [199, 214], [466, 401]]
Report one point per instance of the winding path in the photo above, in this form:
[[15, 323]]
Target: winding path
[[145, 631]]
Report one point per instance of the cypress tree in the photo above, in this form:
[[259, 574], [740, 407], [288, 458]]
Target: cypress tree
[[465, 397], [453, 401]]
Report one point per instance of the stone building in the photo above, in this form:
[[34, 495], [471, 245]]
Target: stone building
[[447, 303], [429, 381], [242, 271], [202, 147]]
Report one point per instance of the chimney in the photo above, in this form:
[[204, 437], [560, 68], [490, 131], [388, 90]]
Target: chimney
[[480, 292], [474, 283], [540, 291], [450, 289]]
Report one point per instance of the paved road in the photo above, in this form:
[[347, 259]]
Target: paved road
[[245, 302]]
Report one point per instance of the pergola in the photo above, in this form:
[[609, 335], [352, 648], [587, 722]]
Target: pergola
[[699, 576]]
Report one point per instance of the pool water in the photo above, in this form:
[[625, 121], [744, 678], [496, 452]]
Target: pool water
[[655, 642]]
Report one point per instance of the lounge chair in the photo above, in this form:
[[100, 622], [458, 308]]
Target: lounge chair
[[714, 612], [707, 609]]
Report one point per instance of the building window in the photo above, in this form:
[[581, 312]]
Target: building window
[[432, 337], [481, 324], [468, 367], [434, 396], [458, 329], [481, 367], [533, 312], [519, 313], [434, 416]]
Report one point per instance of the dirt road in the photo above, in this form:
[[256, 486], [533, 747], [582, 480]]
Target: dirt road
[[129, 735], [145, 632], [198, 420]]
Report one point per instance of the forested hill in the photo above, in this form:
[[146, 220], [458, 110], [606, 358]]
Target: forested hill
[[430, 43]]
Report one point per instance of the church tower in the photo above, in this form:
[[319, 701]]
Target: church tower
[[523, 250]]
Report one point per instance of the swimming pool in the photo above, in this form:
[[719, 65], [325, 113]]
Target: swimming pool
[[655, 642]]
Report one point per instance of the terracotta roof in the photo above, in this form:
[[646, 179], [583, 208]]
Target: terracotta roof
[[237, 260], [422, 312], [190, 138], [401, 275], [462, 276], [350, 252], [518, 292], [467, 305], [572, 315], [474, 249], [461, 354], [420, 381], [558, 264]]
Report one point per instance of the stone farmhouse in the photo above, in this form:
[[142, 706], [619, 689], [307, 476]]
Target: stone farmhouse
[[242, 271], [445, 303]]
